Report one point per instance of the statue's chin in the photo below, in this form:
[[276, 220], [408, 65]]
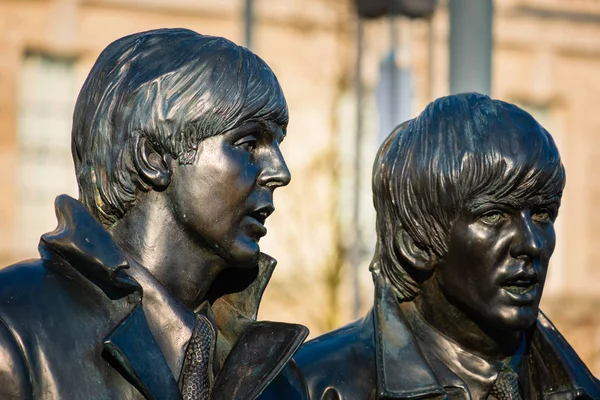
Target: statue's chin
[[516, 318]]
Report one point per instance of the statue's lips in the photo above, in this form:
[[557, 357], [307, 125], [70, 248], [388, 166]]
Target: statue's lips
[[522, 289], [256, 227], [256, 219]]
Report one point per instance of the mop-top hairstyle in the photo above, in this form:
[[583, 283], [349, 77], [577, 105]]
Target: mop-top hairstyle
[[453, 152], [176, 88]]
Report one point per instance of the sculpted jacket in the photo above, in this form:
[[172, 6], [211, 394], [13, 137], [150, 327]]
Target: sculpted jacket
[[379, 358], [72, 326]]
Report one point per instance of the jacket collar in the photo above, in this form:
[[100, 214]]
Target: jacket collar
[[250, 354], [397, 348], [81, 240], [131, 347], [239, 296]]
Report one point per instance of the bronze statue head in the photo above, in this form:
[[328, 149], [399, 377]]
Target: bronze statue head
[[176, 147], [173, 88], [466, 197]]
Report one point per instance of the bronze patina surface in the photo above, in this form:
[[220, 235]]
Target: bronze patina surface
[[150, 285], [466, 196]]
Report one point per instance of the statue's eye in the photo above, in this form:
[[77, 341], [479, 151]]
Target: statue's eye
[[248, 143], [492, 217], [542, 215]]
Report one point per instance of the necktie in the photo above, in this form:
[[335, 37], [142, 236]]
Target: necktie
[[195, 377], [506, 386]]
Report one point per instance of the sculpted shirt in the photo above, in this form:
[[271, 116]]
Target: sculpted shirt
[[452, 364]]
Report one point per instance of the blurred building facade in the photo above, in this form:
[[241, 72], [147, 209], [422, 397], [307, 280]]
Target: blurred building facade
[[545, 58]]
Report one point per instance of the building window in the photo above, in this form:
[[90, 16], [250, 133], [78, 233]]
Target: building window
[[47, 92]]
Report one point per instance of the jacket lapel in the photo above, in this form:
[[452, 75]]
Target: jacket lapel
[[260, 353], [132, 350], [251, 353]]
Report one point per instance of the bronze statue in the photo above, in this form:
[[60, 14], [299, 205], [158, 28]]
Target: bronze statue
[[150, 285], [466, 196]]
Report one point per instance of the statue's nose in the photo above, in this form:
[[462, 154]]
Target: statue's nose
[[275, 172]]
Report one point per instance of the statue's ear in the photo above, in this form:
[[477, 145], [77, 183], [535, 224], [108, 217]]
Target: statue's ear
[[150, 164], [419, 258]]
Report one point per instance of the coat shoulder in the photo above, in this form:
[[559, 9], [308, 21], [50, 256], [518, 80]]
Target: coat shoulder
[[28, 284], [14, 374], [22, 295], [289, 384], [548, 340], [348, 341], [340, 363], [20, 279]]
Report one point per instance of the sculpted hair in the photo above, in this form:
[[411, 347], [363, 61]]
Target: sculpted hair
[[176, 88], [453, 152]]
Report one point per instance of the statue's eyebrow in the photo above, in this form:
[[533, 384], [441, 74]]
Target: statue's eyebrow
[[246, 128], [476, 204], [274, 129], [542, 200]]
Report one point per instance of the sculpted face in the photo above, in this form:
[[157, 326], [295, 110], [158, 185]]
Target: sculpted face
[[498, 256], [225, 196]]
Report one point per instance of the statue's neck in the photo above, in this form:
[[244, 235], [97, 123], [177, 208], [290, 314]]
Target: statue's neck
[[486, 342], [149, 235]]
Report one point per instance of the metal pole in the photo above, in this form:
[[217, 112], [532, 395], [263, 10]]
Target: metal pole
[[248, 22], [393, 70], [470, 45], [431, 59], [356, 246]]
